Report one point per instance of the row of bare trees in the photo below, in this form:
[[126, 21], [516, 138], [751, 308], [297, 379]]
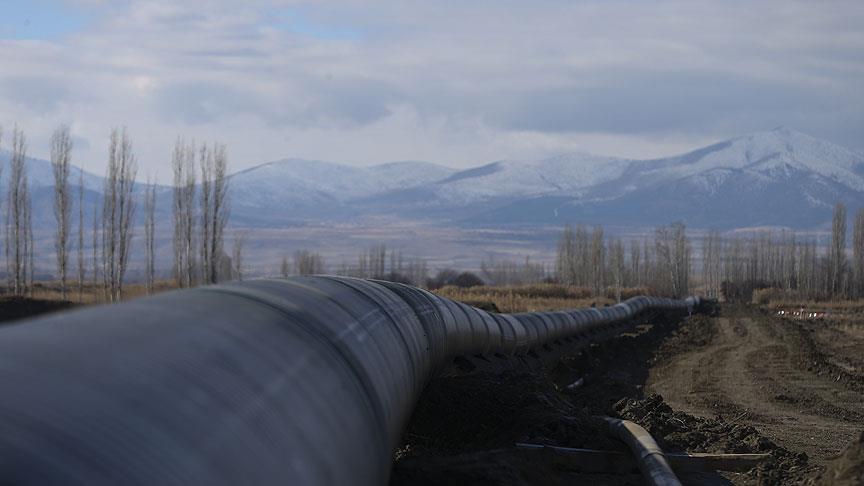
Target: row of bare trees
[[199, 228], [383, 263], [795, 264], [304, 262], [588, 258], [506, 272], [19, 223]]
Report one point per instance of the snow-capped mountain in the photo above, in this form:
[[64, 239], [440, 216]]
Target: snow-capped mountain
[[40, 174], [772, 153], [780, 177], [299, 190], [777, 177]]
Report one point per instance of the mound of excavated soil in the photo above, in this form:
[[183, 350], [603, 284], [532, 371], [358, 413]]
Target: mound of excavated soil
[[484, 411], [848, 469], [678, 431], [464, 431]]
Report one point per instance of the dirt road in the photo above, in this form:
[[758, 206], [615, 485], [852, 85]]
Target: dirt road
[[744, 382], [797, 382]]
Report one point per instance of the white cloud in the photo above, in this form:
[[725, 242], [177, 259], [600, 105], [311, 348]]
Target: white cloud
[[454, 82]]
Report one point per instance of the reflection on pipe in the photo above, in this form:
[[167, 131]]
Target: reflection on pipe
[[307, 380]]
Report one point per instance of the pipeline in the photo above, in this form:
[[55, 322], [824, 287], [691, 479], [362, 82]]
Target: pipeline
[[307, 380]]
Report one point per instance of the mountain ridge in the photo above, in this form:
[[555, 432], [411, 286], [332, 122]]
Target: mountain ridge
[[728, 184]]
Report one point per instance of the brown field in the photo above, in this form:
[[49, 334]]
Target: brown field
[[523, 298], [533, 298]]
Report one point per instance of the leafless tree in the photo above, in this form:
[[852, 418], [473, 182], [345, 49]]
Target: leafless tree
[[598, 261], [237, 254], [617, 266], [506, 272], [150, 235], [214, 208], [28, 241], [6, 226], [837, 254], [183, 164], [673, 260], [308, 263], [711, 263], [61, 153], [82, 270], [97, 290], [858, 254], [285, 267], [378, 257], [118, 210], [635, 264], [565, 263], [18, 242]]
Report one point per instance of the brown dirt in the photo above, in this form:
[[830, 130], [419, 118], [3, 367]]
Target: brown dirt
[[846, 470], [743, 382], [768, 372]]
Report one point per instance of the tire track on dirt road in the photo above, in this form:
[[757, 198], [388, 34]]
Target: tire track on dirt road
[[750, 372]]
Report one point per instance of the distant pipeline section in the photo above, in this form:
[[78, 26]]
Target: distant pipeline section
[[307, 380]]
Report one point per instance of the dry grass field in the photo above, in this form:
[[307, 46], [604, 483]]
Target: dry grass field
[[533, 298], [46, 296]]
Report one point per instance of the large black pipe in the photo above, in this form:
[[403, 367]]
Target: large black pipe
[[308, 380]]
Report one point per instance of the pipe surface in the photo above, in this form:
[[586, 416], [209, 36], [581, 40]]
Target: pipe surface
[[306, 380], [649, 456]]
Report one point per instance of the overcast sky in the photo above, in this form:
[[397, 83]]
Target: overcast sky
[[455, 82]]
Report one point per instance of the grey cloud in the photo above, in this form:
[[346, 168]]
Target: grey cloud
[[37, 94], [348, 102], [633, 102], [488, 70], [203, 102], [329, 104]]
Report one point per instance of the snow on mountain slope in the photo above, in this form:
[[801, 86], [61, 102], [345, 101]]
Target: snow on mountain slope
[[767, 153], [568, 174], [791, 169], [314, 181], [775, 177], [40, 173]]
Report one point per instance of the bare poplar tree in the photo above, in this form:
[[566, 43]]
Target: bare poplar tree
[[837, 253], [673, 259], [237, 255], [6, 226], [565, 264], [582, 251], [183, 211], [858, 254], [28, 239], [205, 162], [308, 263], [285, 267], [118, 211], [617, 266], [61, 152], [378, 257], [97, 291], [598, 260], [214, 209], [150, 235], [17, 217], [711, 262], [635, 264], [82, 270]]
